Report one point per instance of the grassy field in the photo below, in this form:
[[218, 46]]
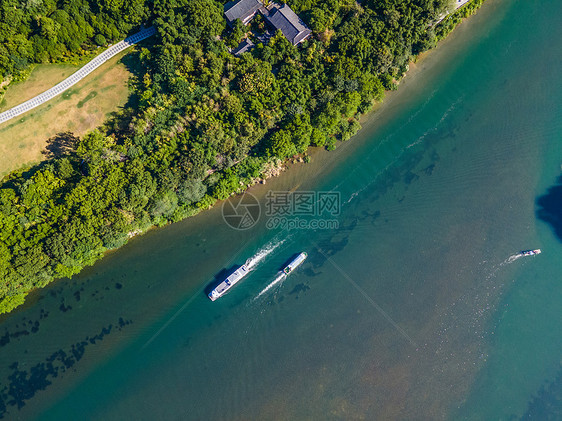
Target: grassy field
[[43, 77], [79, 109]]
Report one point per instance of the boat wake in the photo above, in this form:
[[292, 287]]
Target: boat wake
[[265, 251], [498, 266], [279, 278], [512, 258]]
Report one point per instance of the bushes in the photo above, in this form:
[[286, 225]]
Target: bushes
[[451, 21], [8, 303], [100, 40]]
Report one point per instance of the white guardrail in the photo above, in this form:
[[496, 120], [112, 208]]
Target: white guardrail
[[78, 75]]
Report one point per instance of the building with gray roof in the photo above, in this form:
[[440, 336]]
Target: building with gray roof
[[288, 22], [244, 10], [243, 47]]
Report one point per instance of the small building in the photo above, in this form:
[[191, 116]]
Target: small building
[[278, 17], [289, 23], [243, 47], [245, 10]]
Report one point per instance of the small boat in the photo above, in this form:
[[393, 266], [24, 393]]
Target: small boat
[[297, 261], [530, 252], [229, 282]]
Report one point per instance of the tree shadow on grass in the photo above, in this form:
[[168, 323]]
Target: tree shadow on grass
[[133, 64], [119, 121], [550, 207], [61, 144]]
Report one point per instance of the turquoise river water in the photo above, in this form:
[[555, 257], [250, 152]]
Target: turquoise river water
[[412, 304]]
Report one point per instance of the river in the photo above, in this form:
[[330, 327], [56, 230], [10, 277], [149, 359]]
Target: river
[[412, 304]]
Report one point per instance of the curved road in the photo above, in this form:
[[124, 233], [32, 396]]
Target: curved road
[[77, 76]]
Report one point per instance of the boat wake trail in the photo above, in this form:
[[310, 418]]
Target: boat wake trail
[[512, 259], [279, 278], [263, 253], [507, 261]]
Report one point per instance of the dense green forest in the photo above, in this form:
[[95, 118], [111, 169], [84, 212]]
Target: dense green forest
[[42, 31], [206, 123]]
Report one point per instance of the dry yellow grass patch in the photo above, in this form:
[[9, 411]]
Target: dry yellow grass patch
[[43, 77], [80, 109]]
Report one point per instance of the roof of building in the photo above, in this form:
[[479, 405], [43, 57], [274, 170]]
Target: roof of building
[[243, 47], [241, 9], [284, 19]]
